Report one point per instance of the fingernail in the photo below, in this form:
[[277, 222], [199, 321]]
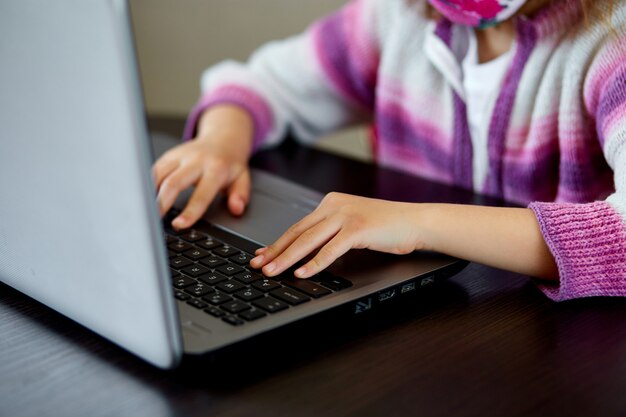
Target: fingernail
[[179, 222], [300, 272], [238, 205], [256, 261], [270, 267]]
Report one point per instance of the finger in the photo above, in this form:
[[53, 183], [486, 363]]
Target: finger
[[206, 190], [162, 168], [176, 182], [287, 239], [239, 193], [306, 243], [328, 254]]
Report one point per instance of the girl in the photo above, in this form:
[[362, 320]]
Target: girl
[[520, 99]]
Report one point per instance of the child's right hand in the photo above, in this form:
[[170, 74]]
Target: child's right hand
[[216, 160]]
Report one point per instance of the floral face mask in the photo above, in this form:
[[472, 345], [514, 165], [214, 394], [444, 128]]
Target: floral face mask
[[477, 13]]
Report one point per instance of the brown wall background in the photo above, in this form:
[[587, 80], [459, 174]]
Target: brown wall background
[[177, 39]]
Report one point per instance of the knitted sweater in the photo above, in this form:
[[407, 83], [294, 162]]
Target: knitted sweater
[[556, 136]]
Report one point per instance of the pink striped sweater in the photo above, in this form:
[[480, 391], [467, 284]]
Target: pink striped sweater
[[557, 133]]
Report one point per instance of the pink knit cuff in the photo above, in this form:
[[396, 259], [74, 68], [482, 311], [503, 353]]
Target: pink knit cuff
[[588, 242], [249, 100]]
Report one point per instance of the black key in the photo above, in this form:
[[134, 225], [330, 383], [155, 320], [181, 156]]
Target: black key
[[287, 274], [293, 297], [248, 277], [225, 251], [196, 270], [335, 283], [230, 286], [212, 261], [241, 258], [320, 276], [182, 282], [230, 269], [196, 254], [197, 303], [199, 290], [181, 295], [213, 279], [171, 254], [174, 273], [233, 320], [169, 238], [167, 225], [252, 314], [180, 262], [209, 243], [307, 287], [193, 236], [217, 298], [215, 312], [248, 294], [265, 285], [235, 306], [179, 246], [167, 222], [270, 304]]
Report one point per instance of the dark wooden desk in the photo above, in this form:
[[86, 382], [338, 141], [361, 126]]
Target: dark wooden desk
[[485, 343]]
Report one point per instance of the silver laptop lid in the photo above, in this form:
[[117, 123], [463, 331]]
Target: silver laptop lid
[[79, 230]]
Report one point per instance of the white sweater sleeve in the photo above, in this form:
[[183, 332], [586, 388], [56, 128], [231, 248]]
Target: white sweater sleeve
[[312, 84]]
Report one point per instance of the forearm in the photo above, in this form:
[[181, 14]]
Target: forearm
[[506, 238]]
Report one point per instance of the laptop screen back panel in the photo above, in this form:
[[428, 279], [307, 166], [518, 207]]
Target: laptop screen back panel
[[79, 230]]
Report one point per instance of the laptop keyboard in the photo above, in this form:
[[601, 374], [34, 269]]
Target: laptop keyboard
[[216, 277]]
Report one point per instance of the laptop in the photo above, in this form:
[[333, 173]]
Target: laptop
[[80, 231]]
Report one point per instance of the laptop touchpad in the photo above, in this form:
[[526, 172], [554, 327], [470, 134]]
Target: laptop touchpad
[[266, 218]]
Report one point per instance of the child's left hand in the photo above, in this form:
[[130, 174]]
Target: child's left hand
[[342, 222]]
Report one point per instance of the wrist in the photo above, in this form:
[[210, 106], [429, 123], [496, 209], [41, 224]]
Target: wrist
[[425, 218], [226, 125]]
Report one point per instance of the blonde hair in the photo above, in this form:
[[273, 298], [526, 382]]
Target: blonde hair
[[598, 10]]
